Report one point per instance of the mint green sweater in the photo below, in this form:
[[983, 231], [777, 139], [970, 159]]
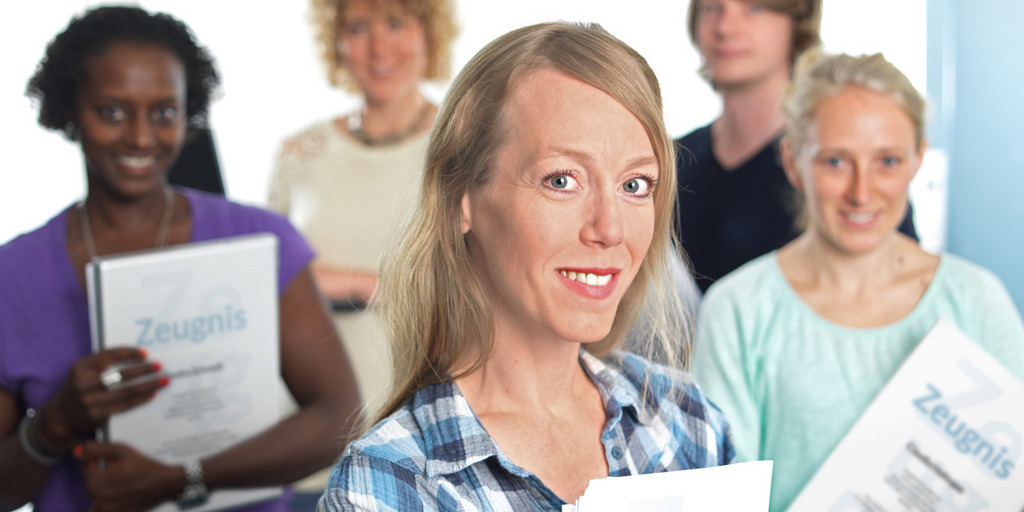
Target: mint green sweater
[[791, 383]]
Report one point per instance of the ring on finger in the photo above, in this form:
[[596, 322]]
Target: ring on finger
[[111, 377]]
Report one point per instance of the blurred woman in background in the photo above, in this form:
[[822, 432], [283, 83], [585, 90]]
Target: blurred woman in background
[[794, 345], [348, 182]]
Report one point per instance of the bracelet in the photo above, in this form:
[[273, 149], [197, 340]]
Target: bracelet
[[30, 437]]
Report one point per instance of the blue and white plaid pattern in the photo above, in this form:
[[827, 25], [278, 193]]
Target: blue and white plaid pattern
[[433, 454]]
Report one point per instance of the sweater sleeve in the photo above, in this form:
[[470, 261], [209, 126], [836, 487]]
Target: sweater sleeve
[[994, 321], [720, 364]]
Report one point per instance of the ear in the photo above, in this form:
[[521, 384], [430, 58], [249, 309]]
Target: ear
[[467, 220], [919, 158], [789, 164]]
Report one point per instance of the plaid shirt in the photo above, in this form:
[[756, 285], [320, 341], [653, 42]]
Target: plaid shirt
[[433, 454]]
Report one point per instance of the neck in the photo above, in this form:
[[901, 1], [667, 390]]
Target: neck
[[828, 268], [750, 119], [383, 118], [110, 211], [524, 376]]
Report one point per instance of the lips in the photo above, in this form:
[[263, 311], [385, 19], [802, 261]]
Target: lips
[[592, 283]]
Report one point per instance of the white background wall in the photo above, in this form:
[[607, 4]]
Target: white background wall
[[273, 84]]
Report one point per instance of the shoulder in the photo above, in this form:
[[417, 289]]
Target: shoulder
[[395, 441], [971, 292], [383, 470], [25, 250], [310, 142], [215, 216], [749, 283], [693, 146], [669, 398], [964, 275], [389, 468], [632, 372], [654, 383]]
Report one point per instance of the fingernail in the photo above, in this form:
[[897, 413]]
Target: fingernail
[[77, 450], [144, 353], [157, 367], [164, 381]]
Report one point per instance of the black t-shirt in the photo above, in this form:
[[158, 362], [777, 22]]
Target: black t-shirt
[[727, 218]]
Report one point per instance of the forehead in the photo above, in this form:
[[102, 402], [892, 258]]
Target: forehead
[[549, 113], [547, 101], [374, 8], [134, 65], [861, 113]]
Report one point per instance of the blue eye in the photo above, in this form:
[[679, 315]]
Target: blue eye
[[636, 186], [890, 161], [834, 162], [561, 182]]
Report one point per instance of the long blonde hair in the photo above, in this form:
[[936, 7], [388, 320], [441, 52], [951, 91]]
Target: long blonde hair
[[430, 296]]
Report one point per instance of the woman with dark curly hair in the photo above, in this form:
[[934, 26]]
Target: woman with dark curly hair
[[128, 85]]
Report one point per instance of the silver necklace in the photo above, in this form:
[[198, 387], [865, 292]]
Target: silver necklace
[[161, 236], [355, 126]]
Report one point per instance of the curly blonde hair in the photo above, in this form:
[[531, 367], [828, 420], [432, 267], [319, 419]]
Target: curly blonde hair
[[436, 16]]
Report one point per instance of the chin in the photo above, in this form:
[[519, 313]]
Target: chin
[[587, 332]]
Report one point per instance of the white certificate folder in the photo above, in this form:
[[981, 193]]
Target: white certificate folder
[[208, 312], [945, 434]]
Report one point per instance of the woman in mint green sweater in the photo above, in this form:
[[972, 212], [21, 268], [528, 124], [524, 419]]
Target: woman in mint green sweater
[[794, 345]]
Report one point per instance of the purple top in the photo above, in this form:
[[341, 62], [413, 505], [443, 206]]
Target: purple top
[[44, 317]]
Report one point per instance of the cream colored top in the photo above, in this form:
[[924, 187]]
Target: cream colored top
[[350, 201]]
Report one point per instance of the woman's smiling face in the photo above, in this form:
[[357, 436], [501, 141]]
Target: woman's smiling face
[[855, 170], [560, 230], [130, 112]]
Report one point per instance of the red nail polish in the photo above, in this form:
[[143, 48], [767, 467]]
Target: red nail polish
[[157, 367], [77, 451], [164, 381]]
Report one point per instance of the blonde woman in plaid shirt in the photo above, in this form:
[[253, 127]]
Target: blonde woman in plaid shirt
[[543, 227]]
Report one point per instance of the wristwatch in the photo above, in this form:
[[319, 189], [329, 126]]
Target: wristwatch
[[195, 493]]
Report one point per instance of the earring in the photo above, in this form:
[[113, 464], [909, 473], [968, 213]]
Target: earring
[[71, 130]]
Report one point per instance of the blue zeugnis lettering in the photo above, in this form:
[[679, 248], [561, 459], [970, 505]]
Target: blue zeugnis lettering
[[195, 329], [964, 438]]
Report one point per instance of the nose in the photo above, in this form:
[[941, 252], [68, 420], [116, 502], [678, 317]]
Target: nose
[[859, 191], [604, 221], [727, 19], [379, 39], [140, 132]]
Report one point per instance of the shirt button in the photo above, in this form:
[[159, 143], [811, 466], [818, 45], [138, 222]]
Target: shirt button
[[616, 452]]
